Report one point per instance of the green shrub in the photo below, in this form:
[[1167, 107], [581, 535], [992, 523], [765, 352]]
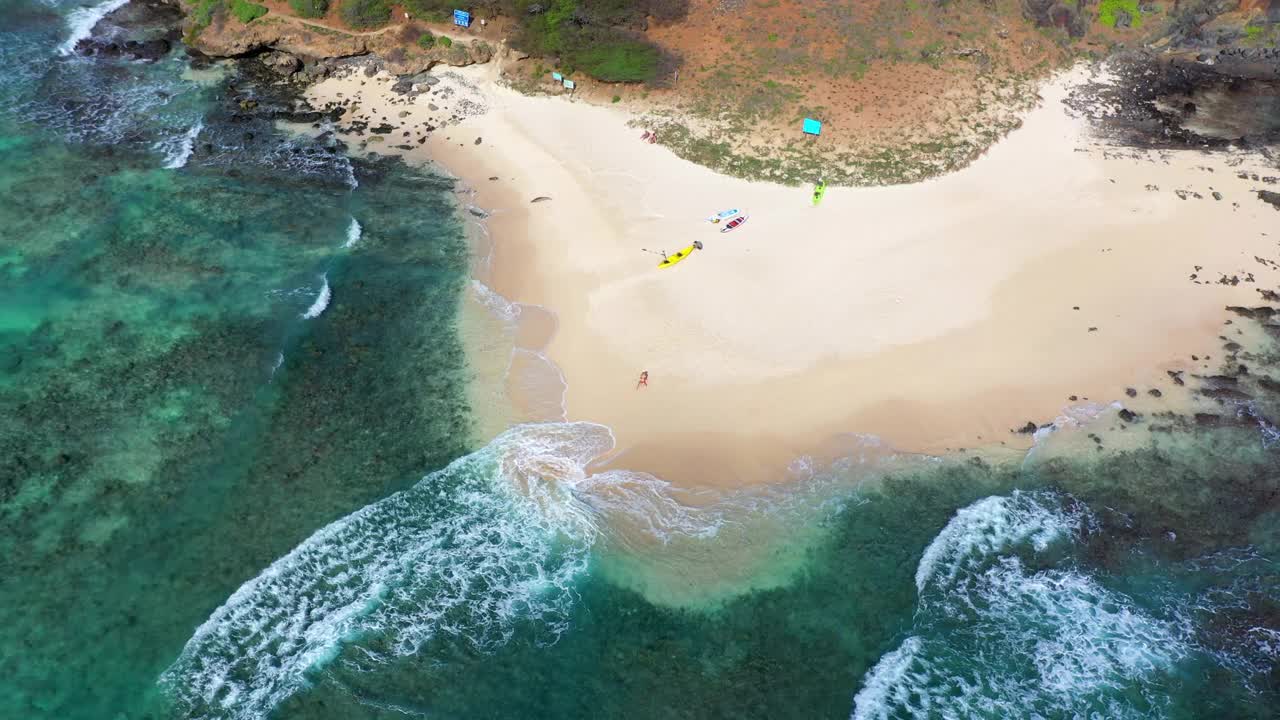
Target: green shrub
[[203, 14], [617, 98], [246, 12], [1109, 10], [437, 10], [443, 41], [594, 36], [310, 8], [365, 13], [612, 57], [426, 40]]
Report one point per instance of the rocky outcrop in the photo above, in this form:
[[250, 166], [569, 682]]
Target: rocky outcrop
[[144, 30], [227, 37], [292, 41]]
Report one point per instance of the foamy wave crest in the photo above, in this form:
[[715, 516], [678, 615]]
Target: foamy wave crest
[[640, 505], [353, 234], [82, 20], [993, 638], [177, 150], [494, 538], [503, 308], [321, 302], [988, 526]]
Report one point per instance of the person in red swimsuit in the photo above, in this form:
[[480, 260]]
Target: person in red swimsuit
[[644, 380]]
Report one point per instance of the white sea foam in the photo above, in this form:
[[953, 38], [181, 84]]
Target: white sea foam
[[353, 234], [889, 674], [177, 150], [501, 307], [640, 504], [82, 20], [321, 302], [993, 638], [988, 526], [495, 537]]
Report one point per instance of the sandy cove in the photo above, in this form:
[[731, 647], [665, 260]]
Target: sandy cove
[[933, 316]]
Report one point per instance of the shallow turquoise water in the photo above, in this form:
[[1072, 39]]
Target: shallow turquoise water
[[215, 506], [151, 458]]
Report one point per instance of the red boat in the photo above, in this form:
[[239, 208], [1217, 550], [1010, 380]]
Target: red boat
[[734, 223]]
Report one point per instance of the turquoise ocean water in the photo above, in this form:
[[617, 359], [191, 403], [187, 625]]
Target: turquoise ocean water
[[239, 479]]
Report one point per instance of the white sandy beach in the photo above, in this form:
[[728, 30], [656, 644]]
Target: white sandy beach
[[933, 316]]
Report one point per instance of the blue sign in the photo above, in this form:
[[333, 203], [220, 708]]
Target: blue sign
[[462, 18], [557, 76]]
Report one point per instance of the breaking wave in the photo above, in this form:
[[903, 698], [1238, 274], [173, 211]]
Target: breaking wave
[[177, 150], [995, 637], [82, 20], [321, 302], [986, 528], [353, 234], [494, 538]]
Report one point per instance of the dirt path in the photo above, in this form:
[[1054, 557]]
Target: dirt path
[[382, 30]]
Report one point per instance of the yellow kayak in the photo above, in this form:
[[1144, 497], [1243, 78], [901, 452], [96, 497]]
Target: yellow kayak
[[670, 260]]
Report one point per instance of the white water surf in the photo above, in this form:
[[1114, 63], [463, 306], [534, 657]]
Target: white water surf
[[354, 233], [82, 20], [177, 151], [495, 537], [321, 302], [994, 637]]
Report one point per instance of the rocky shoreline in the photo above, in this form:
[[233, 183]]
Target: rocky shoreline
[[148, 30], [1195, 87]]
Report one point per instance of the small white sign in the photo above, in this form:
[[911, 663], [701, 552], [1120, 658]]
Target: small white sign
[[557, 77], [569, 84]]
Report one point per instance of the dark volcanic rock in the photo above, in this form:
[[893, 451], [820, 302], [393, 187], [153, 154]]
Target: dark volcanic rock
[[1155, 98], [143, 30], [1272, 198], [147, 50], [1257, 313], [282, 62], [1224, 393]]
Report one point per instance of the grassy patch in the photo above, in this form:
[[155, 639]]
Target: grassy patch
[[365, 13], [444, 42], [201, 15], [1109, 11], [617, 61], [591, 37], [432, 10], [246, 12], [310, 8], [426, 40]]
